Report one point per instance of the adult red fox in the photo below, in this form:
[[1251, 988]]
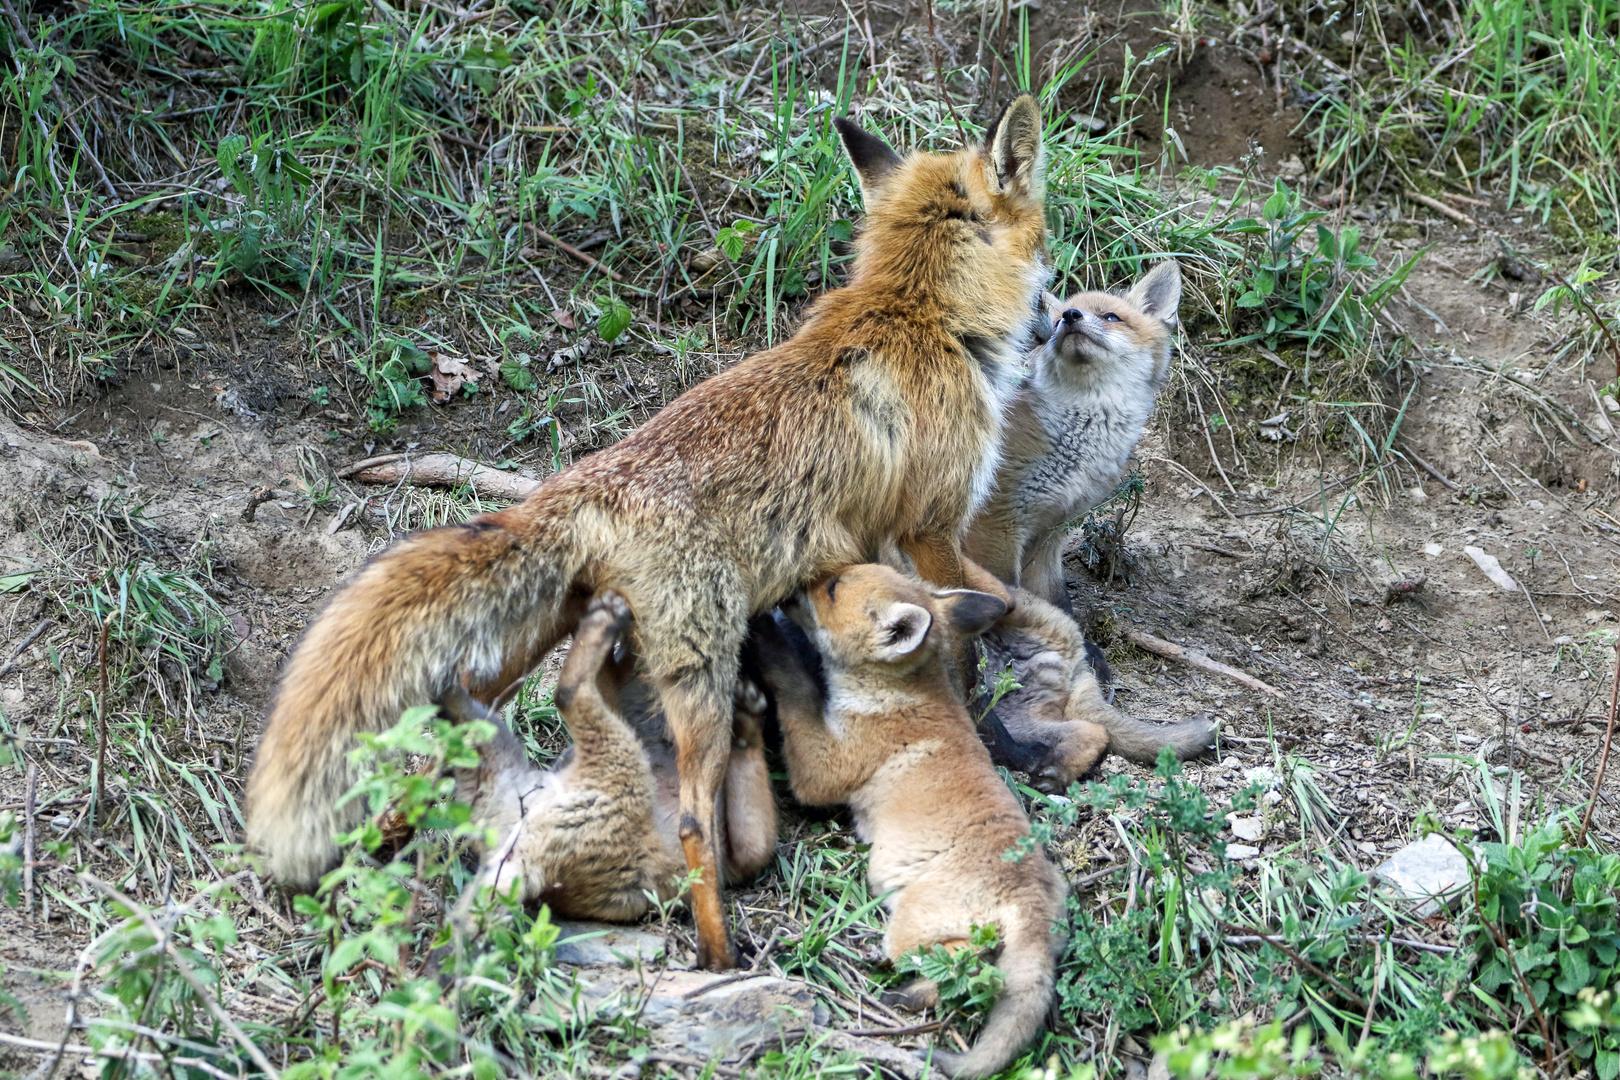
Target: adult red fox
[[879, 421]]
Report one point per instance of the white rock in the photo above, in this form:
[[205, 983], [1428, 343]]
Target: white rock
[[1237, 852], [1433, 549], [1492, 569], [1534, 504], [1263, 775], [1430, 871], [603, 943], [1246, 828], [1417, 494]]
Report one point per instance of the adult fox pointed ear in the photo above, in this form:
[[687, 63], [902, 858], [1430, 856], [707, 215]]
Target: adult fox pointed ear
[[1159, 293], [901, 630], [873, 158], [1016, 152], [970, 613]]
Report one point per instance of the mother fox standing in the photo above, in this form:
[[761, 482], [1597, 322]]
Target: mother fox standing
[[879, 420]]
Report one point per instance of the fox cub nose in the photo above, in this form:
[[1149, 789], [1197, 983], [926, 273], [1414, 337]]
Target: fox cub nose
[[1071, 317]]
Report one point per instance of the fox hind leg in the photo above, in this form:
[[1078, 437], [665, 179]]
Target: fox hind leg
[[699, 715]]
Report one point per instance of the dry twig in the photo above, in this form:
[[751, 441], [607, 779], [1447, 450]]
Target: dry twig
[[1197, 659], [441, 471], [1439, 207]]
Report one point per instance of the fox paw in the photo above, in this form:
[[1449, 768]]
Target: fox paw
[[609, 610], [748, 697]]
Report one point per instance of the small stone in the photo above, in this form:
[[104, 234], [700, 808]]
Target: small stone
[[1431, 871], [1492, 568], [695, 1012], [1417, 494], [1263, 775], [1535, 504], [1238, 852], [1246, 828], [1432, 549], [588, 943]]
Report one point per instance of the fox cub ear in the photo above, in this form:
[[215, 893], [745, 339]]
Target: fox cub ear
[[1017, 154], [873, 158], [902, 628], [970, 612], [1159, 293]]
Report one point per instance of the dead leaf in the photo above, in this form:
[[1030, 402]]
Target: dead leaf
[[563, 318], [450, 374]]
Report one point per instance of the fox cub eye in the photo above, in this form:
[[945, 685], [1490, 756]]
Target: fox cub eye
[[1109, 316], [832, 587]]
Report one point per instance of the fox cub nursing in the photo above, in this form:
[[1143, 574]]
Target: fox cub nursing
[[595, 835], [719, 506], [893, 741], [1072, 427]]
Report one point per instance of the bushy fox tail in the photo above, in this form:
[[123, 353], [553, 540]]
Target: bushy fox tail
[[1132, 739], [1028, 967], [485, 598]]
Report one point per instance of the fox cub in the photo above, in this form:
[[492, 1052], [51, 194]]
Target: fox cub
[[893, 741], [1073, 425], [1057, 724], [596, 834]]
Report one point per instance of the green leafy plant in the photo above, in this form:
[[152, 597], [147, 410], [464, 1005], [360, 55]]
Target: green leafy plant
[[395, 372], [968, 983], [1545, 928], [1303, 291]]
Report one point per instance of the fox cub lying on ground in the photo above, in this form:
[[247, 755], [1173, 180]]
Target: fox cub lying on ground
[[1057, 725], [1069, 432], [891, 739], [597, 834]]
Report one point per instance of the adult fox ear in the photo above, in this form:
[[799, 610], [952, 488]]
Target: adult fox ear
[[1016, 151], [902, 628], [1159, 293], [873, 158], [970, 612]]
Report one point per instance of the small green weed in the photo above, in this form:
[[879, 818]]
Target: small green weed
[[968, 983], [1299, 291]]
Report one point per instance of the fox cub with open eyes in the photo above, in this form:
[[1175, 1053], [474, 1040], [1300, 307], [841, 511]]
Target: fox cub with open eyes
[[1073, 425]]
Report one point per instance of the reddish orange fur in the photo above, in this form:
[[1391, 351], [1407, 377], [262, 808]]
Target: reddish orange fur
[[877, 422]]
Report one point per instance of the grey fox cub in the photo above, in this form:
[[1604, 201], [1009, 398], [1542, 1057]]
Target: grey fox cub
[[1057, 725], [1073, 425]]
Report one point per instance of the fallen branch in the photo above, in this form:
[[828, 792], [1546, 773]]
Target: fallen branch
[[33, 636], [441, 470], [1436, 205], [575, 253], [1194, 658], [1426, 467]]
